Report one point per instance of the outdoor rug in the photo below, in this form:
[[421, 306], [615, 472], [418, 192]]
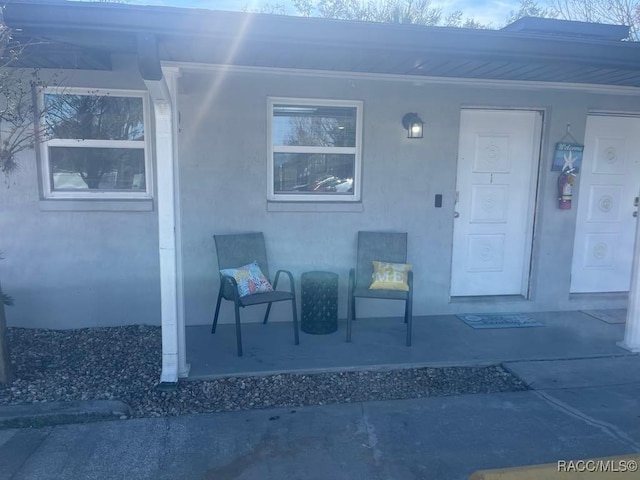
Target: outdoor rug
[[499, 320], [618, 315]]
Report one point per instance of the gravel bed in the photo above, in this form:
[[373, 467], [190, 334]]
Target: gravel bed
[[123, 363]]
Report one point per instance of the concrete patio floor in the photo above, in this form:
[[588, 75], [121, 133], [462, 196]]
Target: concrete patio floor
[[441, 340]]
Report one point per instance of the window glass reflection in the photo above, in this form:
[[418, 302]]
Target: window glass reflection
[[94, 117], [296, 125], [328, 174], [97, 168]]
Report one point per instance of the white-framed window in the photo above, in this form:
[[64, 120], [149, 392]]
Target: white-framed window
[[314, 150], [96, 144]]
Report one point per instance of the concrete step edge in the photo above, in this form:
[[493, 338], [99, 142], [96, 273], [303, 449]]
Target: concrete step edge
[[56, 413]]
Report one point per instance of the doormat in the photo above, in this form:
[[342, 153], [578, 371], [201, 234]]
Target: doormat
[[618, 315], [499, 320]]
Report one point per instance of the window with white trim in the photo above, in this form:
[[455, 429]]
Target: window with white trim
[[96, 144], [314, 149]]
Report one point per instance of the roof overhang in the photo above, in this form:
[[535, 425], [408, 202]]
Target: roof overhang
[[90, 32]]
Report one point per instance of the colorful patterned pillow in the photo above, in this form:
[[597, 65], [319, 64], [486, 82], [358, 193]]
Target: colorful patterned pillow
[[249, 278], [390, 276]]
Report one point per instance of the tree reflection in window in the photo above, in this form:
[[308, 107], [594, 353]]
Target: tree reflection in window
[[314, 126], [100, 142], [314, 149]]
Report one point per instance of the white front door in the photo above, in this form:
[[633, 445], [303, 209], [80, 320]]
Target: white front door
[[609, 180], [498, 156]]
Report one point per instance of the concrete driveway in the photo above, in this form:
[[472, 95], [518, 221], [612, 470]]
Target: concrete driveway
[[580, 408]]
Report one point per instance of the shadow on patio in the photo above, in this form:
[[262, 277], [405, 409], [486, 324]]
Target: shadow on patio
[[441, 340]]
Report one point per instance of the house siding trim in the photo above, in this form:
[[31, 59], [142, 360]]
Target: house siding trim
[[71, 205]]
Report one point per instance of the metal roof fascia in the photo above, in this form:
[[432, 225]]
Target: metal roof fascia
[[167, 21]]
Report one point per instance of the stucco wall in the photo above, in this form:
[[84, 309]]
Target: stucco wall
[[223, 163], [86, 268], [71, 268]]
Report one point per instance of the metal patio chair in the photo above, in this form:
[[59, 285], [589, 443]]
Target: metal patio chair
[[234, 251], [385, 247]]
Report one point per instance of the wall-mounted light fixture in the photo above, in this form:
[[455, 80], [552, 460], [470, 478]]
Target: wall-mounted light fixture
[[414, 125]]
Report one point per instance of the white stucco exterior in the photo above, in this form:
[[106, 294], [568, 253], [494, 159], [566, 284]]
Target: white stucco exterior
[[81, 263]]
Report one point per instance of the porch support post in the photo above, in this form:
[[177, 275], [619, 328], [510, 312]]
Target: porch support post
[[172, 74], [631, 340], [162, 90], [171, 294], [166, 228]]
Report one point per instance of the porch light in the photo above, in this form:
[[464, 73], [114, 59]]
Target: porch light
[[413, 124]]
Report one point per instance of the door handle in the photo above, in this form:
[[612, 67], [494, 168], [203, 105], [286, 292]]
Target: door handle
[[635, 214], [456, 214]]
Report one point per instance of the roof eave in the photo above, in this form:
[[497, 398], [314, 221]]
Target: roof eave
[[169, 24]]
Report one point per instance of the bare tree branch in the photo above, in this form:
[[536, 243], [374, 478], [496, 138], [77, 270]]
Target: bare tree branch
[[419, 12], [617, 12], [20, 119]]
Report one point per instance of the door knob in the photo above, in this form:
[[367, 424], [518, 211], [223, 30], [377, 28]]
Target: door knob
[[456, 214]]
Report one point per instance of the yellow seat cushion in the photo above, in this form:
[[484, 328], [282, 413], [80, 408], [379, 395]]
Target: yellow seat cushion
[[390, 276]]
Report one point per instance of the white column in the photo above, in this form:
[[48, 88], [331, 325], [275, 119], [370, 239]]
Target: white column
[[172, 74], [631, 340], [162, 105]]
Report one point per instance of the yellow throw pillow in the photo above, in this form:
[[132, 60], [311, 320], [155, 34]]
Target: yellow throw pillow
[[390, 276]]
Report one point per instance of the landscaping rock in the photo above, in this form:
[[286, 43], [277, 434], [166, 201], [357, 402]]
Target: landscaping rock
[[123, 364]]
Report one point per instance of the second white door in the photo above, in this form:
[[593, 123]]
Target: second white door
[[605, 224]]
